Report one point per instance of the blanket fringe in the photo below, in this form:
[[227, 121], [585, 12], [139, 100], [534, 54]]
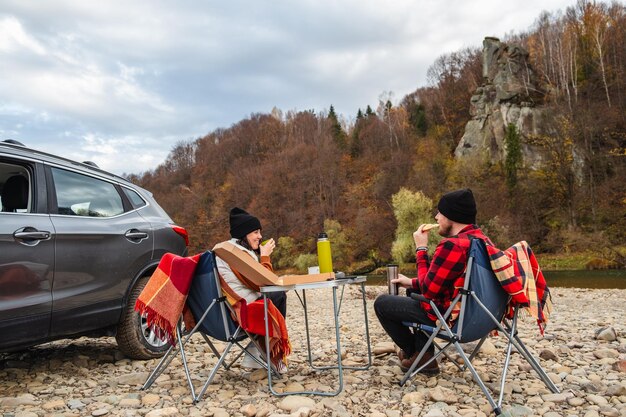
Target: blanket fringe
[[161, 327]]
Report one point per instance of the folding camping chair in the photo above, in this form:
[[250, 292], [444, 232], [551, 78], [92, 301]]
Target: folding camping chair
[[213, 316], [483, 306]]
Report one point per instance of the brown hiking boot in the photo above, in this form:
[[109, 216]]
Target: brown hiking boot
[[431, 369], [401, 354]]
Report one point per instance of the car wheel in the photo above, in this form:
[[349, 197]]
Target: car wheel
[[134, 338]]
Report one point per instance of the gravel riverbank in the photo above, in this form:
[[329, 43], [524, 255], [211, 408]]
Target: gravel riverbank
[[583, 351]]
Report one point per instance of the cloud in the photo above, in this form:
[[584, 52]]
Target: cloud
[[121, 83], [13, 37]]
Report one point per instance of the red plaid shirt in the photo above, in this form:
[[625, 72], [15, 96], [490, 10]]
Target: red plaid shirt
[[440, 279]]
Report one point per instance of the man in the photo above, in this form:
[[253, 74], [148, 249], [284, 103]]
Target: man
[[438, 280]]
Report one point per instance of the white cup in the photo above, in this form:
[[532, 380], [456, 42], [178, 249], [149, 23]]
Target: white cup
[[314, 270]]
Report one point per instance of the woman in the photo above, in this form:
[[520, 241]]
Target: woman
[[245, 232]]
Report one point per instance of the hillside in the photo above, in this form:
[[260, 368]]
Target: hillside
[[560, 188]]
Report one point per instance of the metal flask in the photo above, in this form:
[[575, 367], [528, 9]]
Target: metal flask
[[392, 273]]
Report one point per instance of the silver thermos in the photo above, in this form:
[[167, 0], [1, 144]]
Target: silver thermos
[[392, 273]]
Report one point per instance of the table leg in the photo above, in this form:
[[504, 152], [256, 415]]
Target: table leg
[[367, 335], [306, 321]]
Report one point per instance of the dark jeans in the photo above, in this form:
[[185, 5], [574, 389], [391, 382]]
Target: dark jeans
[[279, 298], [392, 310]]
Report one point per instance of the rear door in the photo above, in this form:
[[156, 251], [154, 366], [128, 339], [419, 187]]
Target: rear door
[[101, 244], [26, 254]]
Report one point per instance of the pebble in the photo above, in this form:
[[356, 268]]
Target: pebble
[[149, 400], [26, 414], [597, 399], [583, 352], [606, 333], [249, 410], [54, 405], [293, 402], [75, 404], [443, 394], [575, 401], [164, 412]]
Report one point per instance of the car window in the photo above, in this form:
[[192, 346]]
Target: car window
[[134, 198], [15, 183], [82, 195]]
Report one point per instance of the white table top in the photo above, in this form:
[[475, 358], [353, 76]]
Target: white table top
[[313, 285]]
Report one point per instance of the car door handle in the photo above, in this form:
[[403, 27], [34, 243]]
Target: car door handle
[[32, 235], [135, 234]]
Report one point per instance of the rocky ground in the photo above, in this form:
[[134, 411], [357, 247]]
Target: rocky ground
[[583, 351]]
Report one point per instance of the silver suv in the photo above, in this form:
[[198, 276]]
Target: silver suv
[[77, 246]]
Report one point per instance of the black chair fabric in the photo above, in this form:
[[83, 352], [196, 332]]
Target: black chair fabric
[[204, 289], [15, 194], [484, 283]]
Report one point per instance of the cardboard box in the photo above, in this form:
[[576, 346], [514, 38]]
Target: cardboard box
[[257, 273]]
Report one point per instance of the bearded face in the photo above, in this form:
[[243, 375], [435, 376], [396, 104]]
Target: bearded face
[[445, 225]]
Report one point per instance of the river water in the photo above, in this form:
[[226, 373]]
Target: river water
[[613, 278]]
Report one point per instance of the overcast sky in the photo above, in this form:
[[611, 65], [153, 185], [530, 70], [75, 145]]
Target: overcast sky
[[121, 82]]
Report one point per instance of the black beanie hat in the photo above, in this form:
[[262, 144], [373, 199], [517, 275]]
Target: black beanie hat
[[458, 206], [242, 223]]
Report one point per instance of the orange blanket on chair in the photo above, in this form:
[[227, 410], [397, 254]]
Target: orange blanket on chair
[[520, 275], [251, 318], [252, 321], [163, 298]]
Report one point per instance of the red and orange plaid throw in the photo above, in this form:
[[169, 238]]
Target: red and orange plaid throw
[[163, 298], [252, 321], [520, 276], [251, 318]]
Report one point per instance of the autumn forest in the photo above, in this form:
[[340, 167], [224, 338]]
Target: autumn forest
[[302, 172]]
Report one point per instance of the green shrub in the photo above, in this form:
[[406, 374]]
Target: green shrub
[[410, 209], [339, 246], [304, 261], [285, 253]]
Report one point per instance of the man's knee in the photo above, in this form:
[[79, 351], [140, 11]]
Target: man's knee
[[381, 302]]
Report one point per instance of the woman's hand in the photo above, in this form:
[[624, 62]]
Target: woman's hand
[[403, 281], [268, 248]]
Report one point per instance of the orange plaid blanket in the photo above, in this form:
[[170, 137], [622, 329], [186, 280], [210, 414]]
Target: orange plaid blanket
[[251, 318], [520, 275], [163, 298]]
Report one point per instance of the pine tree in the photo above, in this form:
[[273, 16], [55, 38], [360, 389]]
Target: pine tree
[[417, 118], [336, 130], [513, 159], [355, 144]]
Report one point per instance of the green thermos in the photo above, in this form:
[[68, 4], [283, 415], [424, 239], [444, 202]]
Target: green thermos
[[324, 257]]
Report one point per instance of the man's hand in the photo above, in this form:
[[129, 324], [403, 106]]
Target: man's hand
[[268, 248], [403, 281], [420, 237]]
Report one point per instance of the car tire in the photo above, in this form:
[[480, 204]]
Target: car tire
[[133, 337]]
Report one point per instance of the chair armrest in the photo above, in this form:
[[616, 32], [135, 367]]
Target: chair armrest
[[419, 297]]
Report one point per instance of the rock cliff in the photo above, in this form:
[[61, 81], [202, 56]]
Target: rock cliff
[[511, 93]]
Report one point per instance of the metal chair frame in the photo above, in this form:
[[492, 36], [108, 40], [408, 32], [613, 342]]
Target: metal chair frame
[[232, 339], [453, 336]]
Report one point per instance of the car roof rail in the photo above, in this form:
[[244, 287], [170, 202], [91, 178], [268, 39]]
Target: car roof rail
[[88, 164], [91, 163], [13, 142]]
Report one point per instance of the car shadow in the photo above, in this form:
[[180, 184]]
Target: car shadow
[[83, 352]]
